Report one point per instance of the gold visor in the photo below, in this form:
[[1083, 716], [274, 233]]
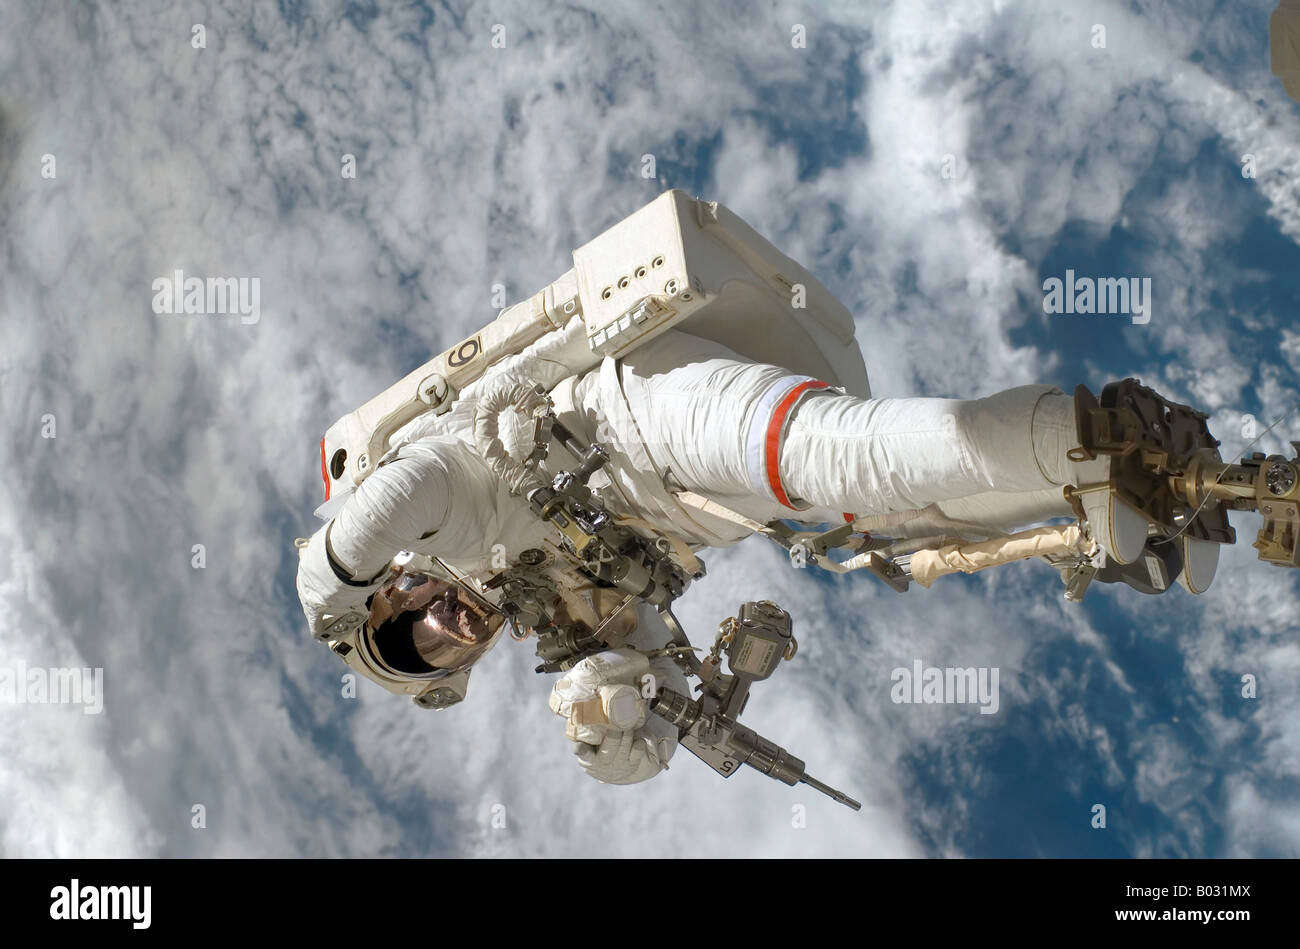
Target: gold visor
[[421, 627]]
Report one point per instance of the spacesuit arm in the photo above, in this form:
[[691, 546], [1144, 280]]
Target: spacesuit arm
[[405, 502]]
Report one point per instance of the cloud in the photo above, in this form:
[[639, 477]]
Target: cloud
[[479, 165]]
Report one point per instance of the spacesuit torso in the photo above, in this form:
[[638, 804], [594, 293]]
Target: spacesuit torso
[[477, 518], [435, 496]]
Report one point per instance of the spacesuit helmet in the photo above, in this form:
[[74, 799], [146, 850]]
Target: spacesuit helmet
[[420, 627]]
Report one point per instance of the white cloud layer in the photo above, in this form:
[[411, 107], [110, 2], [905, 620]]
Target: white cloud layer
[[479, 165]]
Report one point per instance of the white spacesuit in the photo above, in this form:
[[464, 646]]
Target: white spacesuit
[[683, 412], [658, 366]]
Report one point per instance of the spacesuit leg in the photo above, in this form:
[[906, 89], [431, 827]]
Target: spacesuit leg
[[770, 443], [999, 459], [1001, 511]]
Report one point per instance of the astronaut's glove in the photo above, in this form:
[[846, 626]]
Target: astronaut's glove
[[604, 700], [332, 607]]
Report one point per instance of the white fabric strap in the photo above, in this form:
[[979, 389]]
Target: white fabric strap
[[709, 506]]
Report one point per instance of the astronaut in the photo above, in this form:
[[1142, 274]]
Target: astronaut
[[685, 412], [701, 445]]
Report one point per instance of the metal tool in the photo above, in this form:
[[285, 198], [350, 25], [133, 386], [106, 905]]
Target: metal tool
[[756, 641]]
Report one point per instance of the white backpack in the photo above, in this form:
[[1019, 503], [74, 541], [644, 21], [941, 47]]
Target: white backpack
[[675, 261]]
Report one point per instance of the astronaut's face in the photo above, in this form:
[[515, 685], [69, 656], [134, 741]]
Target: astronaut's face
[[447, 629], [419, 626], [455, 620], [407, 592]]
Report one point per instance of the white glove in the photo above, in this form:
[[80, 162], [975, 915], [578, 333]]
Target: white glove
[[326, 599], [603, 700]]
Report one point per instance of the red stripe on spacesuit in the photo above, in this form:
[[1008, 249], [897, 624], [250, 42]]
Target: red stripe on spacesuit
[[324, 472], [773, 444]]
